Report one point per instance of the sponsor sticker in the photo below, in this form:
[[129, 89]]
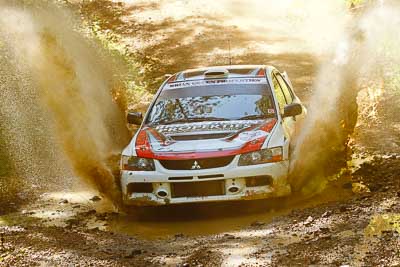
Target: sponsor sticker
[[214, 82], [205, 126]]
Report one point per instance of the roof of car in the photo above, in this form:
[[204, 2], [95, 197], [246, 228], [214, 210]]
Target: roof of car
[[230, 71]]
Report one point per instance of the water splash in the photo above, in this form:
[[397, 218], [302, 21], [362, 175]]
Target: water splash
[[363, 54], [58, 117]]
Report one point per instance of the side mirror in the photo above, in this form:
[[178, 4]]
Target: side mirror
[[135, 118], [292, 110]]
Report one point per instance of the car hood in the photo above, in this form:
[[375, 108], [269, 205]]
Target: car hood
[[199, 139]]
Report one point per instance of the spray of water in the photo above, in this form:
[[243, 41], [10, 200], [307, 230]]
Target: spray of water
[[367, 48], [353, 47], [58, 117]]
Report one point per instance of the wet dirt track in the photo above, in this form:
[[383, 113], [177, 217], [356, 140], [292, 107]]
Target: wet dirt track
[[336, 227], [353, 231]]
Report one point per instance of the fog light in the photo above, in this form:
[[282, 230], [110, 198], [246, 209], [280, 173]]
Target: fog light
[[259, 181]]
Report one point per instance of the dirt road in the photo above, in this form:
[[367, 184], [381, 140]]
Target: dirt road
[[336, 227], [355, 221]]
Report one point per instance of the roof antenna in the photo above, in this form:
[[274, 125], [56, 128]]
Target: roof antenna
[[230, 56]]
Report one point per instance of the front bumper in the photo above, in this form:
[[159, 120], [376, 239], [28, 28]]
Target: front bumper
[[228, 177]]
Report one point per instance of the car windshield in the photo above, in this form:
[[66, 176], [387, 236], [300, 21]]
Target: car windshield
[[217, 103]]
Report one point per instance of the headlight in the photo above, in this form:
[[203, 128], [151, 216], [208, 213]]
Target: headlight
[[261, 156], [137, 164]]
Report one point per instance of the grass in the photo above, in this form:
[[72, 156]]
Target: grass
[[5, 164]]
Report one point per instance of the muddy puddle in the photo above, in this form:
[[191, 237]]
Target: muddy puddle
[[215, 218], [83, 209]]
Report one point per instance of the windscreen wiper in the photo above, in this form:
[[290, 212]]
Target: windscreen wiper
[[194, 119], [208, 119], [255, 117]]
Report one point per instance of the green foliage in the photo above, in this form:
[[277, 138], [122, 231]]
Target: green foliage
[[5, 165], [132, 77], [7, 188], [394, 81]]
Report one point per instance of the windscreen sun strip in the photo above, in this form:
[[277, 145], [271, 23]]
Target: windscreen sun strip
[[198, 91]]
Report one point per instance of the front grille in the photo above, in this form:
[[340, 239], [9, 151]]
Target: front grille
[[201, 163], [198, 189]]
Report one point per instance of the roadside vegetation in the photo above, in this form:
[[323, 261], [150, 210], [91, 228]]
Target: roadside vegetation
[[5, 175]]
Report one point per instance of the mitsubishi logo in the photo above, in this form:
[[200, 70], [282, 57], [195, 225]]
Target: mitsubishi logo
[[196, 166]]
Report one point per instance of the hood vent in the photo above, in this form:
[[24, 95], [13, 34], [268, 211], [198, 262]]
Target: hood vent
[[199, 136]]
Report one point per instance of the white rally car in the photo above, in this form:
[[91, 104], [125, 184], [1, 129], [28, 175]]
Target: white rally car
[[213, 134]]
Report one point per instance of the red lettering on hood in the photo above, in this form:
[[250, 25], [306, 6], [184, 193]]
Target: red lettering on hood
[[143, 147]]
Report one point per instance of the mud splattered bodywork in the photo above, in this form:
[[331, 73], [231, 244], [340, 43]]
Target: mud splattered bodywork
[[272, 185], [207, 139]]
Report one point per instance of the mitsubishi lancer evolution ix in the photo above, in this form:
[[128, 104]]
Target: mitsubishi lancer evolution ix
[[213, 134]]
